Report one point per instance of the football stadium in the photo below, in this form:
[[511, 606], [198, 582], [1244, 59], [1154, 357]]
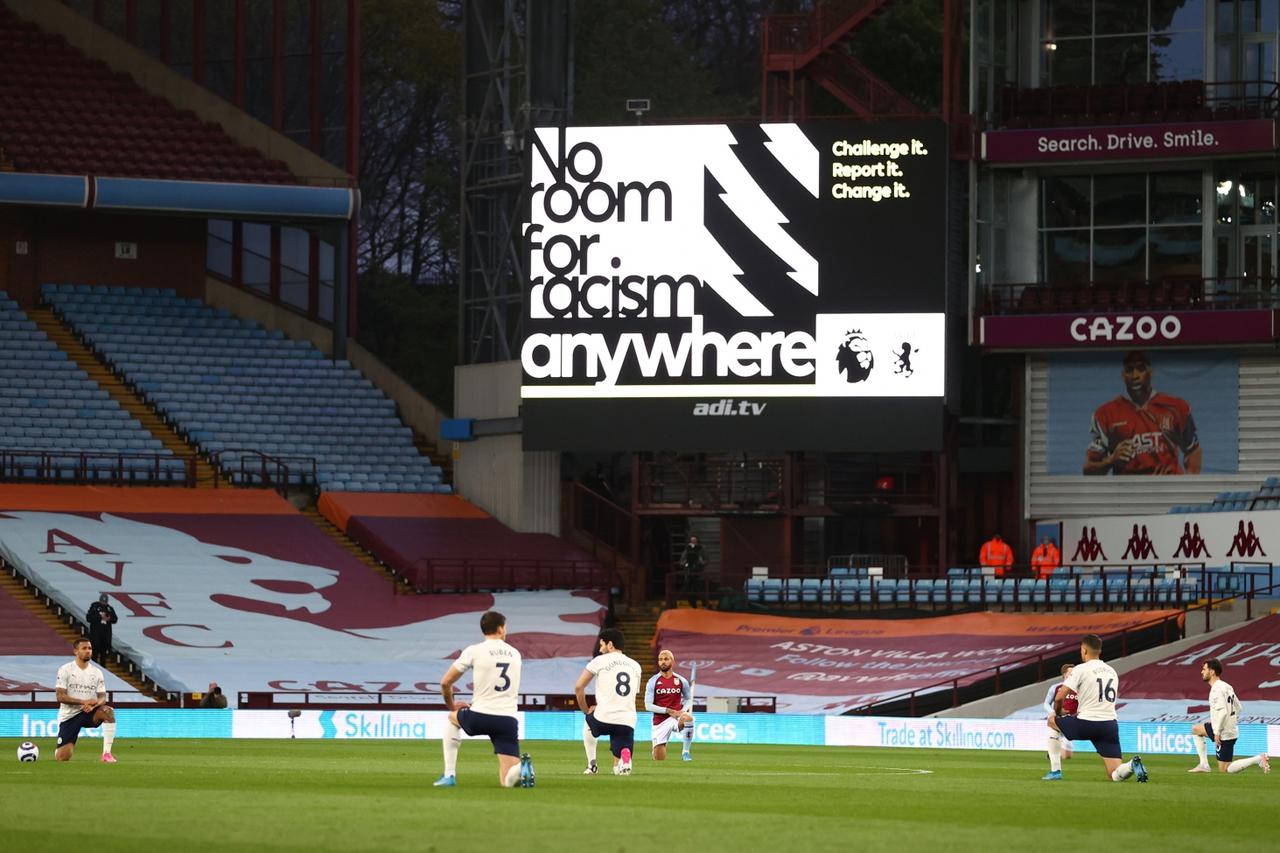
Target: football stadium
[[862, 416]]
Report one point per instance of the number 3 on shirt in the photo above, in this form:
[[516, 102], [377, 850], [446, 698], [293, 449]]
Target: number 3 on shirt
[[506, 679], [1108, 693]]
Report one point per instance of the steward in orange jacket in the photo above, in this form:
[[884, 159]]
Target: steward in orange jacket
[[996, 554], [1045, 558]]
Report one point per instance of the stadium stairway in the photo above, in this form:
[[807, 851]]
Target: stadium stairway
[[400, 585], [87, 361], [57, 620], [639, 626]]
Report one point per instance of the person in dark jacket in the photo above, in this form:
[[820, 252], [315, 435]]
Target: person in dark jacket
[[100, 618], [693, 563]]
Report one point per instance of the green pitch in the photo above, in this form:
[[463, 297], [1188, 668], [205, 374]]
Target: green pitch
[[371, 795]]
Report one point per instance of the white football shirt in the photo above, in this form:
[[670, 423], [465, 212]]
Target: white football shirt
[[617, 686], [1097, 687], [1224, 710], [83, 684], [496, 677]]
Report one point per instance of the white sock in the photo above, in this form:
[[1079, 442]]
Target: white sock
[[512, 778], [108, 736], [1124, 771], [1200, 750], [1055, 752], [451, 740], [688, 738], [1243, 764], [590, 743]]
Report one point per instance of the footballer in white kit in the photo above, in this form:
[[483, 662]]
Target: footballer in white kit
[[617, 679], [1097, 687], [495, 674], [81, 690], [1223, 726]]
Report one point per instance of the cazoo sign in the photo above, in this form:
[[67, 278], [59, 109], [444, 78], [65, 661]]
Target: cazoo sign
[[1175, 328]]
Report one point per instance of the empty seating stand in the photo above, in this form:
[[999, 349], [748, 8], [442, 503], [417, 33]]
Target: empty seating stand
[[64, 113], [1265, 497], [968, 589], [229, 386], [57, 424]]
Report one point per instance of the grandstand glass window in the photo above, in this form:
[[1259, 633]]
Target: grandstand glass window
[[258, 97], [1245, 50], [220, 248], [1121, 41], [297, 72], [325, 256], [255, 257], [333, 81], [1245, 233], [295, 268], [220, 48], [150, 33], [181, 38], [1120, 227]]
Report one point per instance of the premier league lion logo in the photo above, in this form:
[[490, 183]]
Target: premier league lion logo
[[854, 357]]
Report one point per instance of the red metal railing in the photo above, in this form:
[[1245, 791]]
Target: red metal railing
[[1181, 293], [796, 35], [974, 679], [97, 467], [467, 574], [250, 467], [607, 526]]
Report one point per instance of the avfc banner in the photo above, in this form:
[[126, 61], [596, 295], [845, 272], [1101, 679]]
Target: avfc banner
[[736, 287]]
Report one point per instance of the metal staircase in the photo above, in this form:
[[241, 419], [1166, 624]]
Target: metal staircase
[[799, 49]]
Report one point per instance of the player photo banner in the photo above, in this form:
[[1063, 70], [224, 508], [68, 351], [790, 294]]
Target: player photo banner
[[1143, 412], [745, 286], [829, 666]]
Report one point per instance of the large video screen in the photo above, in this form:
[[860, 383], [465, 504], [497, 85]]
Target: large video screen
[[736, 287]]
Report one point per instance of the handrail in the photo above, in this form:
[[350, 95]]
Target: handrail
[[1179, 293], [1020, 663], [266, 465], [1125, 103], [475, 574], [52, 464], [115, 698]]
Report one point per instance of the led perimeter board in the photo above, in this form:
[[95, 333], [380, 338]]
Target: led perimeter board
[[744, 287]]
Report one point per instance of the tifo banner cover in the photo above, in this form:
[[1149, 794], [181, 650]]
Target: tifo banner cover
[[830, 666], [798, 730], [1143, 412], [1171, 690], [262, 600], [23, 674]]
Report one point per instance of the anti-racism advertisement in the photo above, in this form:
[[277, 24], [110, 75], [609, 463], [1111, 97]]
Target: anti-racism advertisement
[[829, 666], [1196, 540], [1143, 412], [712, 287]]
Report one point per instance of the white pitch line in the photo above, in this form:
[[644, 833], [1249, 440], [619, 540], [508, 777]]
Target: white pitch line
[[855, 770]]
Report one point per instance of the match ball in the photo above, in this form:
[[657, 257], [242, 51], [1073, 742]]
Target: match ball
[[28, 751]]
